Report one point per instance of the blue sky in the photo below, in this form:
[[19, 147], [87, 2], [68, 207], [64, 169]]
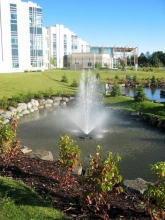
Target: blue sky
[[110, 22]]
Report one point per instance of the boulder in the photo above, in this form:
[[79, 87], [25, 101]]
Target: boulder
[[136, 186], [25, 112], [23, 106], [1, 111], [24, 149], [49, 101], [77, 170], [7, 115], [34, 102], [42, 154], [48, 105]]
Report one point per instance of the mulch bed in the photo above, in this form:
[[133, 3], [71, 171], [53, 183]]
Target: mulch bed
[[44, 177]]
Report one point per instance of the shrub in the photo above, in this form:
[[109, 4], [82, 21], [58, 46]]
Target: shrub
[[155, 194], [8, 140], [69, 157], [74, 83], [115, 90], [140, 95], [64, 79], [97, 75], [102, 175]]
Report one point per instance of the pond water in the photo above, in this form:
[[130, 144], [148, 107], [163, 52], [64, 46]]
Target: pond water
[[151, 93], [137, 143]]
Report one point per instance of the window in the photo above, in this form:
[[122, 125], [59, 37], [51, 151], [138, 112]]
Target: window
[[39, 30], [13, 16], [14, 40], [13, 27], [14, 52]]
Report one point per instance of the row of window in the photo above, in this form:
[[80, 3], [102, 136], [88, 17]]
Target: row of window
[[14, 35]]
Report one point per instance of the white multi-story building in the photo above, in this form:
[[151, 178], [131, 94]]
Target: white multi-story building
[[62, 42], [21, 36]]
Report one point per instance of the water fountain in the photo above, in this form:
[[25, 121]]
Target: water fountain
[[88, 111]]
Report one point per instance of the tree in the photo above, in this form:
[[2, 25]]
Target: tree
[[64, 79], [143, 60], [98, 65], [115, 90], [52, 61], [140, 95]]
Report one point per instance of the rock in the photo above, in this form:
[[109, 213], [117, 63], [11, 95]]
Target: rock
[[23, 106], [137, 186], [135, 113], [41, 107], [49, 101], [77, 170], [63, 103], [6, 121], [42, 102], [25, 112], [57, 99], [24, 149], [34, 102], [65, 99], [7, 115], [48, 105], [1, 111], [56, 103], [29, 105], [42, 154]]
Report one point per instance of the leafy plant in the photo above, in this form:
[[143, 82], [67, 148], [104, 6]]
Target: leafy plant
[[155, 194], [69, 157], [64, 79], [4, 103], [8, 140], [101, 177]]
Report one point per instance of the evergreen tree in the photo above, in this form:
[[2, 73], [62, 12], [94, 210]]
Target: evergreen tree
[[115, 90], [140, 95]]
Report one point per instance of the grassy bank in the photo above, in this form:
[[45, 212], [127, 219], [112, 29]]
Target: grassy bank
[[128, 103], [17, 83], [17, 201]]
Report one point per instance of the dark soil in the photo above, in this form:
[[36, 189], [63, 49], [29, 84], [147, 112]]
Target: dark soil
[[45, 177]]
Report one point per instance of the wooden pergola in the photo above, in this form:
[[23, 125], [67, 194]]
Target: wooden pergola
[[124, 53]]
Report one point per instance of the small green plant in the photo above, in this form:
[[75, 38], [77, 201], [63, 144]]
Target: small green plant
[[140, 95], [40, 94], [102, 175], [74, 83], [116, 77], [155, 194], [4, 103], [69, 157], [64, 79], [134, 78], [48, 92], [8, 140], [97, 75], [115, 90]]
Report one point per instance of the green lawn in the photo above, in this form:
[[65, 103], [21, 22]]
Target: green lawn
[[19, 202], [128, 103], [17, 83]]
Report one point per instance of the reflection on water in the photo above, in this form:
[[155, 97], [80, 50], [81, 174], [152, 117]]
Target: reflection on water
[[151, 93], [137, 143]]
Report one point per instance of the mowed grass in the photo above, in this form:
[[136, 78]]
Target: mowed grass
[[19, 202], [17, 83], [128, 103]]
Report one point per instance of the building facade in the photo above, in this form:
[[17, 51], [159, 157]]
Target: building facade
[[62, 42], [21, 36], [88, 60]]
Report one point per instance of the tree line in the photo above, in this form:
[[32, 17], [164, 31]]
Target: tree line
[[156, 59]]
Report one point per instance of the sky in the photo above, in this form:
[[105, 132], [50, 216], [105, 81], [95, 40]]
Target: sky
[[122, 23]]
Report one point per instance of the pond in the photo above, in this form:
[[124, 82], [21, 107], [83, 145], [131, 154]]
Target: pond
[[151, 93], [137, 143]]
